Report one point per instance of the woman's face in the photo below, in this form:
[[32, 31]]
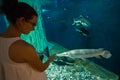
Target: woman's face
[[27, 26]]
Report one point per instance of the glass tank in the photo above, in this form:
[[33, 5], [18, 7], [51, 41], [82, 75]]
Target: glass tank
[[83, 34]]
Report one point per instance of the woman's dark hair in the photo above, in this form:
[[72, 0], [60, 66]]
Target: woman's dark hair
[[14, 10]]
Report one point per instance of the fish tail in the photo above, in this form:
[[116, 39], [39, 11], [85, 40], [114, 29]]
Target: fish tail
[[106, 54]]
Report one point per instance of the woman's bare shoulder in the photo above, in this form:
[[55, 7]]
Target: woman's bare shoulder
[[21, 44], [19, 50]]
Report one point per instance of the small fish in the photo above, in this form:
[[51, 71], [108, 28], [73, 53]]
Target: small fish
[[86, 53]]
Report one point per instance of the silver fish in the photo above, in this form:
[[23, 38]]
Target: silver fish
[[86, 53]]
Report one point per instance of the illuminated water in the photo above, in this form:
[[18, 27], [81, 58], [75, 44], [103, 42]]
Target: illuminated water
[[57, 27]]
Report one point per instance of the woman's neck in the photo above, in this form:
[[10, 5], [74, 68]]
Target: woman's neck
[[12, 31]]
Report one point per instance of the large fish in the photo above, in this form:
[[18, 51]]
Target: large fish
[[81, 25], [86, 53]]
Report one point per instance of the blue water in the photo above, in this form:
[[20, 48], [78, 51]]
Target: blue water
[[104, 31]]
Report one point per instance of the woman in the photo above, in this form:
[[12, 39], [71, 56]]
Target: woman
[[18, 59]]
